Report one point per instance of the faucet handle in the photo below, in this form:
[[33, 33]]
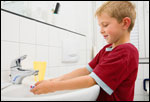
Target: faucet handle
[[17, 62], [22, 57]]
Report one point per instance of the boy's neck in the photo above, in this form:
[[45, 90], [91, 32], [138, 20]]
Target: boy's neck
[[122, 40]]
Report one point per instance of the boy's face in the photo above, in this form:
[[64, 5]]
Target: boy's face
[[110, 28]]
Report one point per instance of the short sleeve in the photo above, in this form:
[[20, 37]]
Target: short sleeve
[[111, 71], [91, 65]]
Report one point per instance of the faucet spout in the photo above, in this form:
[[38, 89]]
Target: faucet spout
[[17, 73], [30, 72]]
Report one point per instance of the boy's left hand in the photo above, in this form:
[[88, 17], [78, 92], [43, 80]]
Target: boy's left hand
[[43, 87]]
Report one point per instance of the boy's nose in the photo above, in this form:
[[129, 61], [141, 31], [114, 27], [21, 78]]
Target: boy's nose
[[102, 31]]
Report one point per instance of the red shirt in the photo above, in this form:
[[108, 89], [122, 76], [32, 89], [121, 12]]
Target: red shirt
[[115, 71]]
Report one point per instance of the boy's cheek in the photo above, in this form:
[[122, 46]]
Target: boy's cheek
[[112, 33]]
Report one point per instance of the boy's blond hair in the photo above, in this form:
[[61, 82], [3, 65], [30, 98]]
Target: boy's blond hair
[[118, 10]]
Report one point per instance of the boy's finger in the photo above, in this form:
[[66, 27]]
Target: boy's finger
[[38, 83], [37, 92], [34, 89]]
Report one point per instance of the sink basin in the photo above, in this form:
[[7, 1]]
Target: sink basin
[[22, 93]]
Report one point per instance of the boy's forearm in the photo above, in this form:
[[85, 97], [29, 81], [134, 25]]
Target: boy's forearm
[[73, 74], [74, 83]]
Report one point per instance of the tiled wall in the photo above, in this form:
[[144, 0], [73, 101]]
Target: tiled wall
[[140, 94], [40, 42]]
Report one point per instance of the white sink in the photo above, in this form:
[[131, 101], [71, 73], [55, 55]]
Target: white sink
[[22, 93]]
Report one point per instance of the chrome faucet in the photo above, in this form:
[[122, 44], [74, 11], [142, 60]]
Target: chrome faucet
[[17, 73]]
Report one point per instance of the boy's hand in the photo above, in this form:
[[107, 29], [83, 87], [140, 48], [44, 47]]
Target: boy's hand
[[43, 87], [37, 83]]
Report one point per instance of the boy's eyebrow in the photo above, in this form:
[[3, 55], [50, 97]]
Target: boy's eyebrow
[[102, 23]]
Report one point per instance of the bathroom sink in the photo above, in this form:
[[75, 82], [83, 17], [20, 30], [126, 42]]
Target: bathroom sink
[[22, 93]]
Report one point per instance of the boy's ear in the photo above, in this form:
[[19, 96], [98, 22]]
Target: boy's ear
[[126, 22]]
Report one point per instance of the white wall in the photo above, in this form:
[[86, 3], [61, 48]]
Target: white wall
[[140, 94], [71, 13]]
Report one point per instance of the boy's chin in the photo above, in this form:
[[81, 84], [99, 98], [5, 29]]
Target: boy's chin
[[109, 42]]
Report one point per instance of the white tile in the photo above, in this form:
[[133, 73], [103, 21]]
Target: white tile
[[83, 43], [3, 60], [146, 98], [70, 68], [27, 31], [42, 53], [64, 70], [89, 42], [89, 56], [10, 51], [75, 39], [138, 98], [2, 25], [81, 66], [42, 34], [57, 71], [64, 35], [146, 70], [47, 72], [145, 92], [53, 72], [139, 87], [70, 46], [82, 58], [54, 56], [5, 76], [140, 74], [54, 36], [29, 50], [10, 27], [80, 40]]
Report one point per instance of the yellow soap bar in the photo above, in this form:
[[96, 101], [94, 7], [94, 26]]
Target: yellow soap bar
[[41, 66]]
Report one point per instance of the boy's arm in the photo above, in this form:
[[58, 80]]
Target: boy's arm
[[73, 74], [76, 73], [74, 83], [70, 84]]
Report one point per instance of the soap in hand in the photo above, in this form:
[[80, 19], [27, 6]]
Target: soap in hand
[[32, 86]]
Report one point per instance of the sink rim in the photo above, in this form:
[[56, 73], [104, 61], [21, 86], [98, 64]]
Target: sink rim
[[54, 97]]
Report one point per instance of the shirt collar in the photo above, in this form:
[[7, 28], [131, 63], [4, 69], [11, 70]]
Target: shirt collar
[[109, 49]]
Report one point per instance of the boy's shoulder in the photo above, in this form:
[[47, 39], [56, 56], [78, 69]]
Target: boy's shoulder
[[127, 48]]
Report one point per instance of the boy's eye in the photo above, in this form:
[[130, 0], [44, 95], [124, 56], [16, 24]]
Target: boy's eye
[[105, 25]]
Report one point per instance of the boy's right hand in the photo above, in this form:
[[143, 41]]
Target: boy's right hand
[[37, 83]]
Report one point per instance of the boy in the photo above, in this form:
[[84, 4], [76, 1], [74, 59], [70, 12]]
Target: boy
[[115, 67]]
